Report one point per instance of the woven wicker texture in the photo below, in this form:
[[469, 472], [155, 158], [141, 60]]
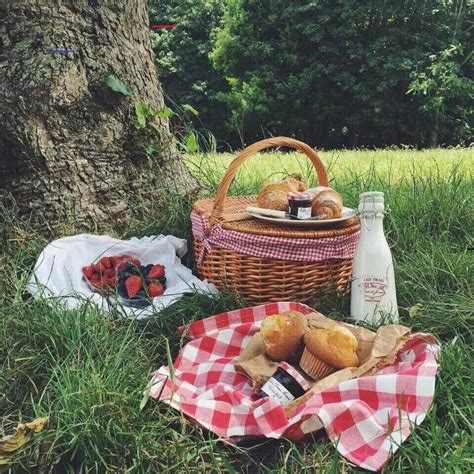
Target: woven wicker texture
[[261, 280], [235, 218]]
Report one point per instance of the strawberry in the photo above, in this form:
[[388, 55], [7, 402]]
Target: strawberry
[[115, 260], [98, 267], [88, 271], [135, 261], [110, 272], [155, 289], [105, 261], [121, 261], [133, 284], [121, 264], [157, 271]]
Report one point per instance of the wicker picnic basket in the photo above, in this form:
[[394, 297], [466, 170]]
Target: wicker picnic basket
[[221, 228]]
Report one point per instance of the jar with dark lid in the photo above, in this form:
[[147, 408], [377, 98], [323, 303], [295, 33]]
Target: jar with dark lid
[[285, 385], [299, 205]]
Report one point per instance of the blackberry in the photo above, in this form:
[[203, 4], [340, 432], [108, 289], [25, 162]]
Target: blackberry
[[135, 271], [148, 268], [122, 290]]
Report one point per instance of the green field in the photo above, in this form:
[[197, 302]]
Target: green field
[[389, 168], [88, 370]]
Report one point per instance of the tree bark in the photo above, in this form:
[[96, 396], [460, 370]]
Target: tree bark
[[66, 141]]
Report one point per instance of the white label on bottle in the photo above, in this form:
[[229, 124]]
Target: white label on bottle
[[273, 388], [374, 289], [304, 212]]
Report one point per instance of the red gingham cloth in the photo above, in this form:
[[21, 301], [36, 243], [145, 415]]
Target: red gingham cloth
[[281, 248], [366, 418]]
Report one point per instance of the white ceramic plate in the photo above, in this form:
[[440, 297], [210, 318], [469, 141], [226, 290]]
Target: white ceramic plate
[[347, 213]]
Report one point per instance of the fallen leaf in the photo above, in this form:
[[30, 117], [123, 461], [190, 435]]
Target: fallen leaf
[[10, 444]]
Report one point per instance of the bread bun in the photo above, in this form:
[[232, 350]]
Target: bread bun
[[336, 346], [326, 202], [282, 334], [275, 195]]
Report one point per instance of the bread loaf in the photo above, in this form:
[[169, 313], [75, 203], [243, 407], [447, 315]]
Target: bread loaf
[[275, 195]]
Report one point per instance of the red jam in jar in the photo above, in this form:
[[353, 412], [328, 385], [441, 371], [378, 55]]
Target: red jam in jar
[[299, 205], [285, 385]]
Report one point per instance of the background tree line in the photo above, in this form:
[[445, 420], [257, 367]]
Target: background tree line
[[334, 73]]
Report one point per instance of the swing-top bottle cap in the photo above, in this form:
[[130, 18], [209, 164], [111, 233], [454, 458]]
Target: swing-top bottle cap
[[371, 201], [376, 196]]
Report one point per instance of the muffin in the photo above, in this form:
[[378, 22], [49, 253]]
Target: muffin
[[328, 350], [282, 334]]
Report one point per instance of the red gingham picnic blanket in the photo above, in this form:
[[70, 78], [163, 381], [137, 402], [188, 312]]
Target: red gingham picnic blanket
[[296, 250], [366, 418]]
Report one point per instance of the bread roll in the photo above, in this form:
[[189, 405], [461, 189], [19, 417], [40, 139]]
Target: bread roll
[[336, 346], [326, 202], [282, 334], [275, 195]]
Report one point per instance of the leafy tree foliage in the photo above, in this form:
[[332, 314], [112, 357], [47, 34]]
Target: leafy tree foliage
[[182, 53], [443, 88], [331, 72]]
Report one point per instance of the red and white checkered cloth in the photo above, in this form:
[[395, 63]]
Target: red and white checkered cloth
[[366, 418], [296, 250]]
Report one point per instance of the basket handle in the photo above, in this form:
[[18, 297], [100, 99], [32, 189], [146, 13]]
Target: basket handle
[[218, 208]]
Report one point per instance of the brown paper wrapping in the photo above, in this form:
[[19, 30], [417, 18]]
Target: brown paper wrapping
[[376, 350]]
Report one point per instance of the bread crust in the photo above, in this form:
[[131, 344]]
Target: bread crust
[[326, 202], [336, 346], [275, 195], [282, 334]]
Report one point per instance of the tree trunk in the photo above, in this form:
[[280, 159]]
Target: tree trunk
[[66, 141]]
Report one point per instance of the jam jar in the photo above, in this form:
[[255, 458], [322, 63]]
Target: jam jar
[[285, 385], [299, 205]]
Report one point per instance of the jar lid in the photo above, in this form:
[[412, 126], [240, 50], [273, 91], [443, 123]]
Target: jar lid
[[285, 385], [300, 196], [295, 374]]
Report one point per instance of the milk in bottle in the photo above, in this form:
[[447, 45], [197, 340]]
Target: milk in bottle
[[373, 295]]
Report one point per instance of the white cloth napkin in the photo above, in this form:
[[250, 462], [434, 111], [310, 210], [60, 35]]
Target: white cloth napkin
[[58, 271]]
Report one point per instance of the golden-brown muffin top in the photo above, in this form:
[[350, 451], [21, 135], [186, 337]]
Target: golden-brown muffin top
[[274, 324], [336, 346], [282, 334], [278, 324]]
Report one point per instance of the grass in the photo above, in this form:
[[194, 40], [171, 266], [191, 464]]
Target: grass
[[87, 370]]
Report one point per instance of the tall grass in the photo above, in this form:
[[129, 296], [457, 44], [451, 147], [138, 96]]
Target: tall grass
[[87, 370]]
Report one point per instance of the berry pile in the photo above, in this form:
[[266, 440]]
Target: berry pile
[[103, 274], [142, 281], [128, 275]]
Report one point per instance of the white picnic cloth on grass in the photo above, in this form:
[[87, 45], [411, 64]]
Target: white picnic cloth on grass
[[58, 271]]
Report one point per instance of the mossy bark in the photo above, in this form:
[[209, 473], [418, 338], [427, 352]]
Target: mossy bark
[[66, 141]]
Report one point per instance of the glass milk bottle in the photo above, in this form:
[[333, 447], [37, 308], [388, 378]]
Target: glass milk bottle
[[373, 296]]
